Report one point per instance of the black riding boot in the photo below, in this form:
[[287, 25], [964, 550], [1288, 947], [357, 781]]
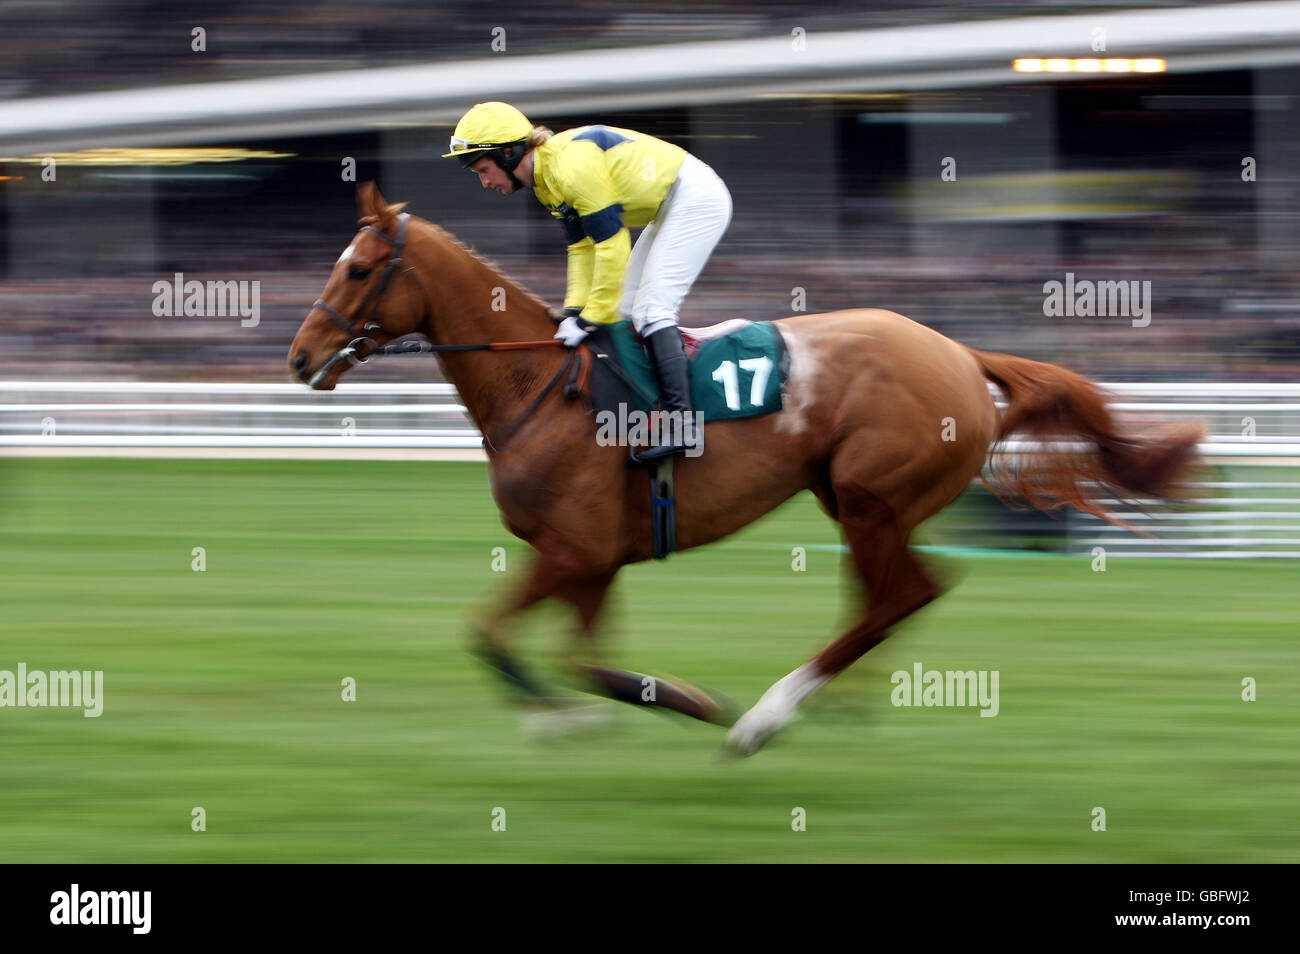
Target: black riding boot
[[677, 431]]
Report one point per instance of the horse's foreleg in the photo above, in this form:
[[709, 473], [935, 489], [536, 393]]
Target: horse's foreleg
[[897, 585], [490, 635], [588, 598], [656, 692]]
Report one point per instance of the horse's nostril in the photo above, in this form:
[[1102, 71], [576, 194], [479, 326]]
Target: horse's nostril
[[300, 361]]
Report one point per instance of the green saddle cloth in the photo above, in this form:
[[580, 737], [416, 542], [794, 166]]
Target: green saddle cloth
[[739, 374]]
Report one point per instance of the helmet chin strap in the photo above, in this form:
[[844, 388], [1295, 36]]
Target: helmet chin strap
[[507, 164]]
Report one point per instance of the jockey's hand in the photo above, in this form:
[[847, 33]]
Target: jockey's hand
[[572, 330]]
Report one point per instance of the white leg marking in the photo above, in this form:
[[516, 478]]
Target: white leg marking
[[774, 710]]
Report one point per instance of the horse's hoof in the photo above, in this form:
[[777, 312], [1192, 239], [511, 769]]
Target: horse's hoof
[[754, 728], [741, 748]]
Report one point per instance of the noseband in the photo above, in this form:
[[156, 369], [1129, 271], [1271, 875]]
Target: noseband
[[359, 350]]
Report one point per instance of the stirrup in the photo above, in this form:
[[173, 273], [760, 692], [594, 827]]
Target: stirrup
[[652, 456]]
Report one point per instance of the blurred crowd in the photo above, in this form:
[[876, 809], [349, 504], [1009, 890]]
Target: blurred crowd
[[826, 215], [1216, 314]]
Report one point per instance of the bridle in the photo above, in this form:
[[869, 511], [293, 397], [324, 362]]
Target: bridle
[[573, 368], [352, 352]]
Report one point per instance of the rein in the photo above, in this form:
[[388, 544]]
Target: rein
[[361, 349], [411, 346], [573, 366]]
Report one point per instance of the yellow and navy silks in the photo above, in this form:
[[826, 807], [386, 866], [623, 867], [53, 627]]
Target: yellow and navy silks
[[601, 180]]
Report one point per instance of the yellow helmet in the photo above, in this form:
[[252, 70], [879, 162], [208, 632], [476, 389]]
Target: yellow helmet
[[486, 128]]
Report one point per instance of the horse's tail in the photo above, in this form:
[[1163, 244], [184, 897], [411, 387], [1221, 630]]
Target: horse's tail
[[1050, 405]]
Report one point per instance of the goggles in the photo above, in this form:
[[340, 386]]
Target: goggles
[[464, 145]]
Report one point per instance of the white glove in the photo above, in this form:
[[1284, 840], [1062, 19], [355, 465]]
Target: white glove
[[571, 332]]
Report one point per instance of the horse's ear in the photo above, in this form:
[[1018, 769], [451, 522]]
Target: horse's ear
[[369, 201], [374, 208]]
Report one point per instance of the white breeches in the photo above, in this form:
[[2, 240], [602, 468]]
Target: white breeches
[[672, 250]]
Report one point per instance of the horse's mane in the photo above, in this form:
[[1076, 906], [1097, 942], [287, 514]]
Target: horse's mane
[[497, 271]]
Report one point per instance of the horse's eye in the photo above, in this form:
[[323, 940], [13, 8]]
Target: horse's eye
[[358, 272]]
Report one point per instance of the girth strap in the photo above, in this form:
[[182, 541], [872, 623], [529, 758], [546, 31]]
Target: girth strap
[[663, 507]]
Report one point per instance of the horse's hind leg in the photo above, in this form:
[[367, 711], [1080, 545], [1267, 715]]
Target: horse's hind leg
[[897, 586]]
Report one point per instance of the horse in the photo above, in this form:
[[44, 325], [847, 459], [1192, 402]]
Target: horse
[[884, 419]]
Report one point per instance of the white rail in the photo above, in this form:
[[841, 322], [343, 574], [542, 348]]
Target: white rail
[[1252, 426], [45, 414]]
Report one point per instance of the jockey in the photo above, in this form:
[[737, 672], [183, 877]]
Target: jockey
[[599, 180]]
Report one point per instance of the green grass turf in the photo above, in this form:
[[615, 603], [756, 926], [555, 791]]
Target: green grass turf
[[1119, 689]]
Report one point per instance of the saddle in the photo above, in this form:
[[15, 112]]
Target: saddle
[[737, 369]]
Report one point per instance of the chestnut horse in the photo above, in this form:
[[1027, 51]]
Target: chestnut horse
[[885, 420]]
